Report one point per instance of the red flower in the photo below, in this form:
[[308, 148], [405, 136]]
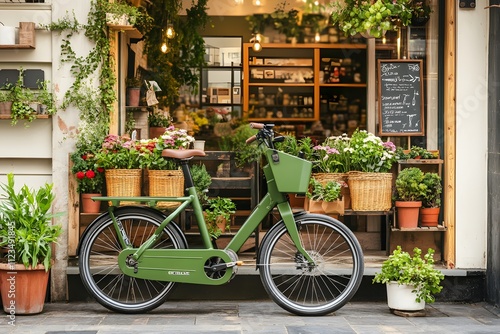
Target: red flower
[[80, 175], [84, 157], [90, 174], [100, 169]]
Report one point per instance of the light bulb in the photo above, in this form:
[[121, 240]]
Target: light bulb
[[164, 48], [257, 47], [170, 31], [317, 37]]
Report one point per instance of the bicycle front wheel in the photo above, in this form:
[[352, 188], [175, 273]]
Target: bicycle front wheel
[[305, 289], [98, 260]]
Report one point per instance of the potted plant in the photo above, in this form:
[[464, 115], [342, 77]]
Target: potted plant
[[411, 280], [325, 198], [218, 214], [45, 98], [120, 13], [122, 165], [431, 200], [5, 100], [22, 98], [202, 181], [409, 190], [133, 91], [287, 23], [163, 175], [27, 234], [421, 12], [235, 142], [158, 121], [90, 179], [371, 18]]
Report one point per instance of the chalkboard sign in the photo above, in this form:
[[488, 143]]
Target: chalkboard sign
[[400, 98]]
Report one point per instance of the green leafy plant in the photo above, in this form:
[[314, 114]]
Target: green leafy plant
[[46, 98], [409, 185], [26, 228], [236, 142], [329, 192], [434, 188], [374, 17], [134, 82], [118, 10], [22, 97], [417, 152], [404, 268], [286, 22], [202, 181], [296, 147], [219, 211]]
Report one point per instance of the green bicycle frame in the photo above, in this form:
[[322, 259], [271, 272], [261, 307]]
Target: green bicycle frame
[[273, 198]]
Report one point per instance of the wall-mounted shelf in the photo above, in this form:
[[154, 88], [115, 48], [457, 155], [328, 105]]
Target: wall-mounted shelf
[[26, 37]]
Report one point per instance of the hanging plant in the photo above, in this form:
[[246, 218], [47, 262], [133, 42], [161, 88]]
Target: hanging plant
[[186, 50]]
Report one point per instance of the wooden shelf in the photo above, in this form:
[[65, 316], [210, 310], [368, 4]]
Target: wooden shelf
[[37, 116], [439, 228], [17, 46]]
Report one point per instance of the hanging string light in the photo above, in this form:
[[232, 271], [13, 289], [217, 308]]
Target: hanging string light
[[256, 40], [170, 31]]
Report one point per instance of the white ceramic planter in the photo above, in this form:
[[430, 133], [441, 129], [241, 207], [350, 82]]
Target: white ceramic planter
[[401, 297], [199, 145]]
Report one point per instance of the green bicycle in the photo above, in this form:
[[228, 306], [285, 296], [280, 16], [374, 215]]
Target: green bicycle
[[131, 257]]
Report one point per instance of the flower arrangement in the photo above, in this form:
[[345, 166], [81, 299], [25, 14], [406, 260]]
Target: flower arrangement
[[363, 151], [150, 150], [89, 176], [333, 155], [157, 118], [368, 153], [374, 17], [118, 153]]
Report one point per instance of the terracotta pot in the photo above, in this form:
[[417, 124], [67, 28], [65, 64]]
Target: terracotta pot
[[5, 108], [296, 201], [429, 217], [156, 132], [23, 290], [408, 214], [89, 205], [133, 96]]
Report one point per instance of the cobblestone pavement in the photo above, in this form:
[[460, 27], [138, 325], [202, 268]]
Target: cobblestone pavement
[[253, 317]]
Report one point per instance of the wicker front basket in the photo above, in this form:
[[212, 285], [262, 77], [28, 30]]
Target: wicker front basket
[[370, 191], [124, 183], [164, 183]]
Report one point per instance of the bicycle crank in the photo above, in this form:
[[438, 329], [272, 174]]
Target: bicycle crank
[[197, 266]]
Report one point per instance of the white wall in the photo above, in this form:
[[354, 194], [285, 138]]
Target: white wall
[[472, 134]]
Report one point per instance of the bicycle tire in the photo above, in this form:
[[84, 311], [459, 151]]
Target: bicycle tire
[[311, 291], [98, 260]]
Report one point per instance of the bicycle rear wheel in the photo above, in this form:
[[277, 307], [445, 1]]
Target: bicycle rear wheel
[[98, 260], [303, 289]]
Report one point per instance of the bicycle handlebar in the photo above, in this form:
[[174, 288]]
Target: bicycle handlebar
[[257, 125]]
